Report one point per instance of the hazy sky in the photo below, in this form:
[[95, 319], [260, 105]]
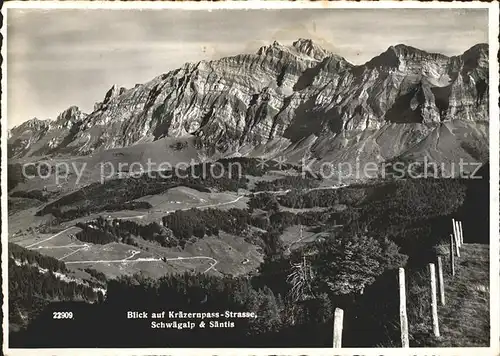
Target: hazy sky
[[58, 58]]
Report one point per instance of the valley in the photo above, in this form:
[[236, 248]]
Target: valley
[[232, 254], [255, 236]]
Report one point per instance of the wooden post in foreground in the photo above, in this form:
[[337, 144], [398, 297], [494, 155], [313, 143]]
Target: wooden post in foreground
[[452, 256], [455, 233], [454, 228], [337, 328], [403, 317], [435, 323], [441, 281], [456, 240], [461, 233]]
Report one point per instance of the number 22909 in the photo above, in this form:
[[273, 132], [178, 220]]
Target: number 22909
[[62, 315]]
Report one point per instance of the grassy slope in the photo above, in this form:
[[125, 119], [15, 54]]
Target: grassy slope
[[465, 319]]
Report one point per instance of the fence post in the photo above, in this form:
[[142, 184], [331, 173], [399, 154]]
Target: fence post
[[461, 233], [403, 317], [455, 233], [435, 323], [337, 328], [454, 228], [457, 240], [441, 280], [452, 256]]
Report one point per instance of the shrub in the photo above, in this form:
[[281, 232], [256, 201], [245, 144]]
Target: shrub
[[347, 264]]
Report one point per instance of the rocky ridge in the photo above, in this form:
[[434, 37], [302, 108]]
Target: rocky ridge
[[293, 99]]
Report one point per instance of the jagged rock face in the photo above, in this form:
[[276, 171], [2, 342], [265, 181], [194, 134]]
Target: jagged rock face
[[25, 135], [288, 94], [40, 137], [68, 118], [309, 48]]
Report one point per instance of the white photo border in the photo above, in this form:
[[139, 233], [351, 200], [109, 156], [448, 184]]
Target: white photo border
[[493, 25]]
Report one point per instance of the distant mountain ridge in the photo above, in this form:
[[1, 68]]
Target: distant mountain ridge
[[290, 100]]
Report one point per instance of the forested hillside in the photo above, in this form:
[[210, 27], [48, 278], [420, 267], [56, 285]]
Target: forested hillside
[[35, 281], [385, 226]]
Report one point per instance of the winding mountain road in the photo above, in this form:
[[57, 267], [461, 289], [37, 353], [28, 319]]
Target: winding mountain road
[[201, 206], [149, 259], [86, 247], [129, 258], [333, 187], [153, 259], [50, 238]]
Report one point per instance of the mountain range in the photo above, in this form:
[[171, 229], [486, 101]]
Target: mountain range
[[288, 100]]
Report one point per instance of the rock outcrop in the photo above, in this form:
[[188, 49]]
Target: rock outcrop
[[287, 98], [41, 137]]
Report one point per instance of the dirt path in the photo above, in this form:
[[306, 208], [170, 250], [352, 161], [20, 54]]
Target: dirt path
[[50, 238], [277, 192], [129, 258], [149, 259]]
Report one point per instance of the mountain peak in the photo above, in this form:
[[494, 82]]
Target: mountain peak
[[270, 48], [478, 49], [36, 121], [405, 51], [113, 92], [300, 47], [70, 116], [33, 124], [303, 42], [308, 47]]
